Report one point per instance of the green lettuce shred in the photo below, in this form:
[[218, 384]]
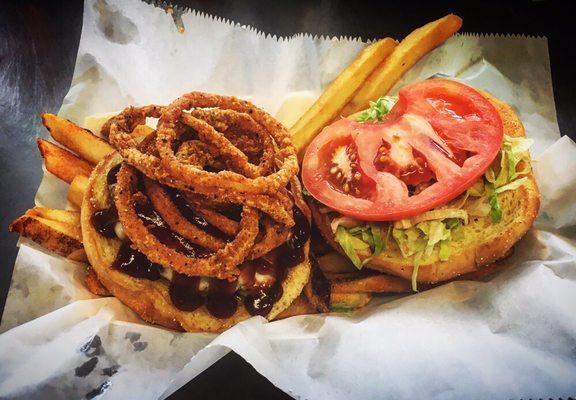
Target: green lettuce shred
[[366, 241], [416, 267], [445, 250], [379, 243], [341, 309], [514, 150], [512, 185], [378, 109], [350, 244], [495, 210]]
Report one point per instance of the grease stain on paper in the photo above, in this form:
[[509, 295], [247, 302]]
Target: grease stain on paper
[[115, 26]]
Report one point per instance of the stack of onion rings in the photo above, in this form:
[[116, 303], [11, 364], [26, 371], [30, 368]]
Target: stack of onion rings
[[212, 193], [216, 151]]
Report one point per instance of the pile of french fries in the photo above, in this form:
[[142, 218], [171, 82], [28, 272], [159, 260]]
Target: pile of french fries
[[374, 72]]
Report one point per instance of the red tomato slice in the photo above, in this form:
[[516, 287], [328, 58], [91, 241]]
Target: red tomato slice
[[438, 140]]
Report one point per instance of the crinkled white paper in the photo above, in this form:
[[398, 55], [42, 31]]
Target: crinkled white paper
[[513, 337]]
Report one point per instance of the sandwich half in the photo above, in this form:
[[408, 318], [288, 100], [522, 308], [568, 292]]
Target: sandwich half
[[427, 186]]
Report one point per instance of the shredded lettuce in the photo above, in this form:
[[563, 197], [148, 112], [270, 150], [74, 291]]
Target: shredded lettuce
[[512, 185], [445, 250], [495, 210], [351, 244], [476, 190], [378, 109], [438, 214], [437, 232], [379, 243], [514, 151], [345, 222], [410, 241], [416, 267], [341, 308], [366, 241]]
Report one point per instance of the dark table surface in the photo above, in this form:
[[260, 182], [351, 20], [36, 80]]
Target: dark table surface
[[38, 44]]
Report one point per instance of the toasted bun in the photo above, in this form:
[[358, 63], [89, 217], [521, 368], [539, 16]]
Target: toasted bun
[[150, 299], [483, 241]]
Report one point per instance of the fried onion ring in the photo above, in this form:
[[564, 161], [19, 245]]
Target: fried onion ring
[[170, 128], [223, 264], [171, 158], [239, 129], [177, 222], [272, 236]]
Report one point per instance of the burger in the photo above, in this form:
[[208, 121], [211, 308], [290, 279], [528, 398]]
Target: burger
[[201, 224], [427, 185]]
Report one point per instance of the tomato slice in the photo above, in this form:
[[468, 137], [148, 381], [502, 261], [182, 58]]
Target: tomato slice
[[436, 142]]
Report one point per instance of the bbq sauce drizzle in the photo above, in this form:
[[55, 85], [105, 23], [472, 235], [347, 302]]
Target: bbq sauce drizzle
[[262, 279], [160, 229], [104, 220], [288, 255], [221, 297], [195, 219], [128, 260]]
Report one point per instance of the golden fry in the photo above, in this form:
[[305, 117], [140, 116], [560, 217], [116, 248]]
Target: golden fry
[[414, 46], [300, 306], [339, 93], [62, 163], [77, 189], [79, 140], [52, 214], [372, 284], [336, 263], [60, 237], [348, 301]]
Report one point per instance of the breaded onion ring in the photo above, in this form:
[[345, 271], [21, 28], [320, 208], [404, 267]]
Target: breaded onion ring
[[178, 222], [118, 129], [223, 264], [271, 236], [190, 177], [238, 130]]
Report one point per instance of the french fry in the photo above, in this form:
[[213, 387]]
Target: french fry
[[300, 306], [76, 191], [79, 140], [93, 284], [339, 93], [53, 214], [348, 301], [336, 263], [407, 53], [62, 163], [60, 237], [372, 284]]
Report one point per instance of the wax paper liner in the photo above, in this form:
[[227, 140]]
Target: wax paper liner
[[512, 337]]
